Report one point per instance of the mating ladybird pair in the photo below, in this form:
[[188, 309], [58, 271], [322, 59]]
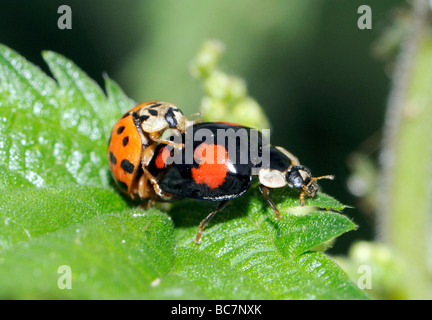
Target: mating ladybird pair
[[138, 161]]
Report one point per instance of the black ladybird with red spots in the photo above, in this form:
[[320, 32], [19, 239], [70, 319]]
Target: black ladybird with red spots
[[218, 162]]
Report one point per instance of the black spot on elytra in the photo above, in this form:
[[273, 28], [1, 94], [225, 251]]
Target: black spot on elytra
[[120, 129], [156, 105], [127, 166], [122, 185], [125, 141], [153, 112], [112, 158]]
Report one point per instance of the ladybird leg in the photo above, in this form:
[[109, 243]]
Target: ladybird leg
[[155, 198], [144, 190], [169, 142], [265, 192], [145, 160], [143, 206], [155, 136], [169, 200], [151, 202], [154, 183], [206, 220], [302, 199]]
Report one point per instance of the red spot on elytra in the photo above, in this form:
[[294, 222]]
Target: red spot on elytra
[[162, 157], [212, 170]]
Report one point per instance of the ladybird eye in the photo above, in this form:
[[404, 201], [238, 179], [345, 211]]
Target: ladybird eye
[[295, 179], [170, 118]]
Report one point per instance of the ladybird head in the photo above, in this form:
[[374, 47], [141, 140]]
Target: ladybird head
[[159, 116], [300, 177], [297, 176]]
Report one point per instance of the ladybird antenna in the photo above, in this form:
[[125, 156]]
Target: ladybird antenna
[[329, 177], [194, 115]]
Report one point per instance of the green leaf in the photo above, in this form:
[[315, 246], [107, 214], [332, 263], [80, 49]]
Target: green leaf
[[110, 256], [58, 206], [246, 254], [54, 133], [25, 87], [30, 213], [44, 154]]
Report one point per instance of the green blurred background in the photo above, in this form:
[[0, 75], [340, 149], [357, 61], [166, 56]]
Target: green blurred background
[[305, 62]]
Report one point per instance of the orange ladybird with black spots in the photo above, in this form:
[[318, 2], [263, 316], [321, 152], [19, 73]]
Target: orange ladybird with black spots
[[132, 144]]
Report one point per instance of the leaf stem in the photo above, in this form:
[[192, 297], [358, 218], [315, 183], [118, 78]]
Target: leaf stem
[[406, 158]]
